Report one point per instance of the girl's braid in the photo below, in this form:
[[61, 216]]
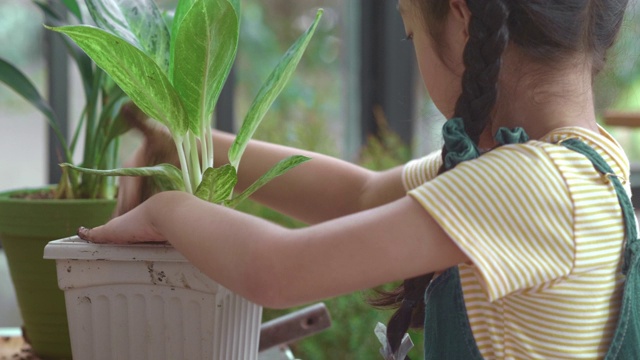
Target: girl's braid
[[488, 37], [549, 32]]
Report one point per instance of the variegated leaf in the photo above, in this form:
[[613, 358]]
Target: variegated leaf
[[136, 74], [217, 184], [269, 92], [204, 51], [140, 22], [168, 172], [278, 169]]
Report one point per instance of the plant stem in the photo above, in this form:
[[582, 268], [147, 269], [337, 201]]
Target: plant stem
[[194, 168], [91, 119], [89, 183], [209, 140], [183, 164], [78, 129], [204, 148], [108, 186]]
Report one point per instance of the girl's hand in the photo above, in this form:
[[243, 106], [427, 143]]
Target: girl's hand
[[133, 227], [130, 188], [157, 148]]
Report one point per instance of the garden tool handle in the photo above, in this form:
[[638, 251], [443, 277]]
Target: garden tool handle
[[295, 326]]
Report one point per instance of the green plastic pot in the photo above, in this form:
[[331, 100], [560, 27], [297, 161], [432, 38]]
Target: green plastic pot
[[26, 226]]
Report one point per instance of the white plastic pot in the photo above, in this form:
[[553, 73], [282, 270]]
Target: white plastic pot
[[149, 302]]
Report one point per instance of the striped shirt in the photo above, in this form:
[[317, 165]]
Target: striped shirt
[[544, 234]]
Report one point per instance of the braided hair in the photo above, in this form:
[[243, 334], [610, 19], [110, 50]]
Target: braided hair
[[548, 32]]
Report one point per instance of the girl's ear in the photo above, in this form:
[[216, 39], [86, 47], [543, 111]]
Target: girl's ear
[[460, 16]]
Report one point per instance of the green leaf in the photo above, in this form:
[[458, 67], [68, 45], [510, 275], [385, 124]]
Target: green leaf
[[72, 6], [82, 60], [182, 9], [269, 92], [139, 22], [167, 172], [119, 124], [84, 64], [54, 17], [168, 19], [236, 7], [205, 48], [111, 125], [136, 74], [161, 183], [278, 169], [217, 184], [18, 81]]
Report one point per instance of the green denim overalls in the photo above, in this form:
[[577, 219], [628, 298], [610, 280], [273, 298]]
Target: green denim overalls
[[447, 331]]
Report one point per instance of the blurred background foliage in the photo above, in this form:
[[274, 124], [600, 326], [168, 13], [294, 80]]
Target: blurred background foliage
[[310, 114], [20, 43], [618, 86]]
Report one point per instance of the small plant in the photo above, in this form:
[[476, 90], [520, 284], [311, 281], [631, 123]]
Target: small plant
[[175, 76], [102, 119]]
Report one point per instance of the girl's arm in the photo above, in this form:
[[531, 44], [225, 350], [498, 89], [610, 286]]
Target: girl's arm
[[279, 267], [321, 189]]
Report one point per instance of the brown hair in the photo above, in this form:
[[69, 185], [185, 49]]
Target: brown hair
[[547, 32]]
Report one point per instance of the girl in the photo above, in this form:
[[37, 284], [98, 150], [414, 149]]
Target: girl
[[526, 241]]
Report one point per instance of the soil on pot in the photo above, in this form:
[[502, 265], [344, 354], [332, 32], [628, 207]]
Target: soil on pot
[[44, 194]]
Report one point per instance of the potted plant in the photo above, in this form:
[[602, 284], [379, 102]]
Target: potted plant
[[29, 218], [174, 74]]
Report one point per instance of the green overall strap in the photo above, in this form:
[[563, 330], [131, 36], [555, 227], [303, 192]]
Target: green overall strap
[[626, 340], [630, 231]]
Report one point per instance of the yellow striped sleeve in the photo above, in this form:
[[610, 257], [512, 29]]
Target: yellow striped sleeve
[[419, 171], [511, 213], [526, 213]]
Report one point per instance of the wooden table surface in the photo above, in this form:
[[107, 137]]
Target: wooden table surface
[[629, 119], [15, 348]]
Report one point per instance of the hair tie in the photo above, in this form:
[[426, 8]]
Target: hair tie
[[459, 146], [457, 143], [506, 136]]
